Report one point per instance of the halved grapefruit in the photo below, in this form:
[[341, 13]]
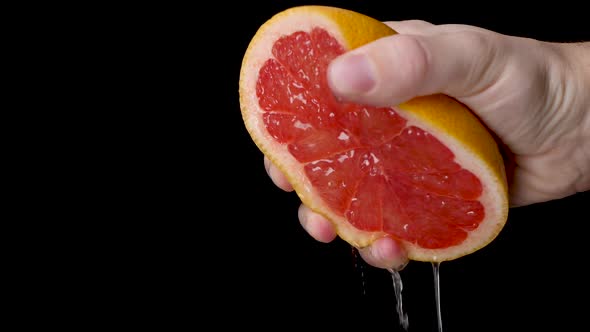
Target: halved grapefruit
[[426, 173]]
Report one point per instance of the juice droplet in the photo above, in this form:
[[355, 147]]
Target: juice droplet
[[359, 266], [435, 270], [398, 287]]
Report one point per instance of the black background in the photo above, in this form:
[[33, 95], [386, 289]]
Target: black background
[[228, 244]]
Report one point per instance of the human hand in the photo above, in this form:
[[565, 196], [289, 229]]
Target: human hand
[[531, 94]]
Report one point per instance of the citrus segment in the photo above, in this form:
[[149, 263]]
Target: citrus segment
[[398, 171]]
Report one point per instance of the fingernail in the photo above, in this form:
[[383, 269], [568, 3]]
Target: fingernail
[[401, 266], [267, 165], [351, 74], [302, 215]]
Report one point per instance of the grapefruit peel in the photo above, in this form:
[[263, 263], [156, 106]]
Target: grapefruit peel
[[449, 121]]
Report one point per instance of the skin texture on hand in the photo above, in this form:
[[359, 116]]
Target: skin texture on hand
[[532, 94]]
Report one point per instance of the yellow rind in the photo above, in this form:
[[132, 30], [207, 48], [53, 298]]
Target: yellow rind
[[364, 30]]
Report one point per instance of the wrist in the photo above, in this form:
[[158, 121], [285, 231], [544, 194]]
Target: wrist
[[577, 58]]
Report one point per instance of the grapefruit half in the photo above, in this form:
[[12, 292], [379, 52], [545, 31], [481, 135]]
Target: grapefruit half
[[427, 172]]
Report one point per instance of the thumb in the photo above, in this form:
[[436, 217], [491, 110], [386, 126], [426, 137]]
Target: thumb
[[394, 69]]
